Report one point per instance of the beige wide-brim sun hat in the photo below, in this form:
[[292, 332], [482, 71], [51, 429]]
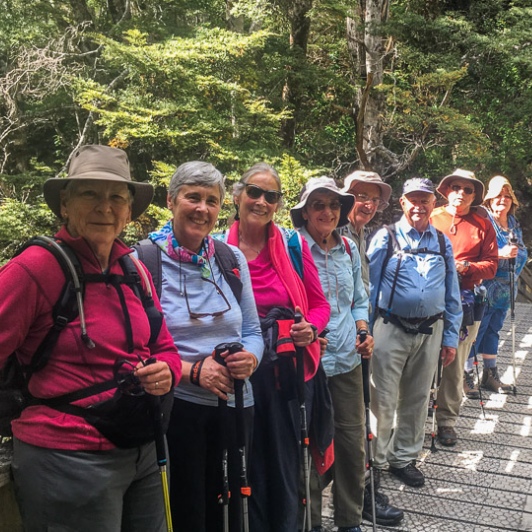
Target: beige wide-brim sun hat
[[495, 186], [324, 184], [372, 178], [101, 163], [443, 187]]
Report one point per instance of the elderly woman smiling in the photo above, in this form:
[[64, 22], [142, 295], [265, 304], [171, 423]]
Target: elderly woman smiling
[[60, 456], [274, 466], [203, 308]]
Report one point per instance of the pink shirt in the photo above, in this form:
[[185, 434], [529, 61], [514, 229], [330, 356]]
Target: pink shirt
[[268, 289]]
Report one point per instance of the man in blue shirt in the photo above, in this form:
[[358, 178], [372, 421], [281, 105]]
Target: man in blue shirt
[[416, 317]]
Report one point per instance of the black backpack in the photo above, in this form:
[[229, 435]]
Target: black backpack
[[14, 377], [150, 254]]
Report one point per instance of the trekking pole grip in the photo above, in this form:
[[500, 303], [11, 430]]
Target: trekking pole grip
[[365, 369]]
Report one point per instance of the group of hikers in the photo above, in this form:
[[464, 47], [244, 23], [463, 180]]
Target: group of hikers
[[258, 370]]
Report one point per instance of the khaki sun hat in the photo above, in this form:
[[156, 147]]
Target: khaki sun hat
[[445, 183], [373, 178], [495, 186], [101, 163], [326, 184]]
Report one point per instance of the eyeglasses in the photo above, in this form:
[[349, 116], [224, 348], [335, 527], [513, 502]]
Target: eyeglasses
[[95, 198], [321, 206], [198, 315], [271, 196], [467, 190], [364, 198]]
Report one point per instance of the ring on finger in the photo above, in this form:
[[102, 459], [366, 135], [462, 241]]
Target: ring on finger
[[157, 385]]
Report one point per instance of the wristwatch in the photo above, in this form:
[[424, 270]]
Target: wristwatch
[[466, 264], [315, 332]]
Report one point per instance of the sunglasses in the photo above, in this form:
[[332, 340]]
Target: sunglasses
[[467, 190], [271, 196], [321, 206], [198, 315]]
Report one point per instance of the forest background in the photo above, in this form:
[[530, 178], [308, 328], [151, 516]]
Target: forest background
[[314, 87]]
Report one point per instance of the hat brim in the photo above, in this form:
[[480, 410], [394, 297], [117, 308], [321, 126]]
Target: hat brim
[[386, 190], [347, 201], [494, 190], [142, 192], [443, 187]]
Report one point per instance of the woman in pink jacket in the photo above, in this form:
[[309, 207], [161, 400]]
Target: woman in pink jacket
[[275, 462], [102, 369]]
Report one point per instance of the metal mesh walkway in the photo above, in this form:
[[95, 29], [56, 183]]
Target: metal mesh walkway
[[484, 483]]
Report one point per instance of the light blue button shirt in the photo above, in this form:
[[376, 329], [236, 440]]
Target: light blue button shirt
[[342, 284], [426, 285]]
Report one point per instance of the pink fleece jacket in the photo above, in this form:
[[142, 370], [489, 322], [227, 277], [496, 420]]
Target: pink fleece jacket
[[30, 285]]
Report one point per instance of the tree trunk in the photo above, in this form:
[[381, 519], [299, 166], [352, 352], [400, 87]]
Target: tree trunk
[[293, 92], [367, 47]]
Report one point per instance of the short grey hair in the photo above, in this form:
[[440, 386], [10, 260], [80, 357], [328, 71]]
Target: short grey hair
[[258, 168], [196, 173]]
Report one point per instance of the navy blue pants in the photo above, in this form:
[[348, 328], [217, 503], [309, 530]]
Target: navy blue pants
[[195, 442], [275, 458]]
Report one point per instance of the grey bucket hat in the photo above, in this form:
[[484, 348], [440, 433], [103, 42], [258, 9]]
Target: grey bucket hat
[[101, 163], [445, 183], [326, 184], [373, 178]]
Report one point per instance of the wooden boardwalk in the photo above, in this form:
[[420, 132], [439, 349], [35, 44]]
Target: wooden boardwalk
[[484, 483]]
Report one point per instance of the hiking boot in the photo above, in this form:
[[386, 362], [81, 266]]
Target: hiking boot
[[447, 436], [409, 474], [470, 388], [492, 382], [349, 529], [386, 514]]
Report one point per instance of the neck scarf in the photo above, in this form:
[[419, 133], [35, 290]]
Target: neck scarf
[[167, 241]]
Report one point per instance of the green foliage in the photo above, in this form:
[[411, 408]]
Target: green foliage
[[186, 98], [19, 221]]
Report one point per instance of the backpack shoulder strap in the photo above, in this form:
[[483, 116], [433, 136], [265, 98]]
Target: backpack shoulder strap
[[133, 270], [347, 247], [393, 244], [150, 254], [295, 251], [229, 266], [66, 309]]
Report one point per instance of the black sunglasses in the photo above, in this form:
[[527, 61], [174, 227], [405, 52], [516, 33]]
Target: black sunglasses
[[467, 190], [271, 196], [197, 315]]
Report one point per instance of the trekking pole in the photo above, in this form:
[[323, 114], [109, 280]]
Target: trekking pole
[[511, 261], [439, 374], [300, 373], [369, 435], [225, 496], [245, 489], [160, 449], [475, 363]]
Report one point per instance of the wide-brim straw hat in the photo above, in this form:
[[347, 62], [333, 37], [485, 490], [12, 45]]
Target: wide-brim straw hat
[[443, 187], [495, 186], [101, 163], [373, 178], [325, 184]]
